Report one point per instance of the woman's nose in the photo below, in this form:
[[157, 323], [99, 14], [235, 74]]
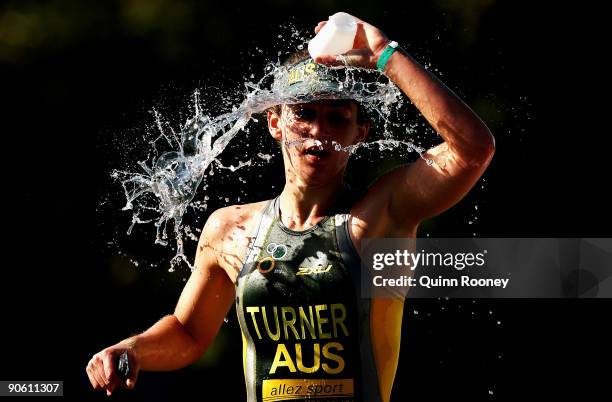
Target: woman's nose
[[317, 128]]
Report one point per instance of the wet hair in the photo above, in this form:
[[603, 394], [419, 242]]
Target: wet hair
[[362, 114]]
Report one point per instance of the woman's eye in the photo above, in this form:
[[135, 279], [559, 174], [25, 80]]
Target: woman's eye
[[338, 118], [304, 114]]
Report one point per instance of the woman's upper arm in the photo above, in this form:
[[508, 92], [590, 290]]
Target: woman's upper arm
[[404, 197], [425, 191], [209, 293]]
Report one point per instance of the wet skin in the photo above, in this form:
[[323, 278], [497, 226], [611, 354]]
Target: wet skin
[[309, 133]]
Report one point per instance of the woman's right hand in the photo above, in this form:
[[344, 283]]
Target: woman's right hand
[[369, 43], [102, 369]]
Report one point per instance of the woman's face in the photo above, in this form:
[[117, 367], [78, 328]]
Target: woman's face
[[309, 134]]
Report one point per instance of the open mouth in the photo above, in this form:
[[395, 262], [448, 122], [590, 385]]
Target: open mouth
[[317, 152]]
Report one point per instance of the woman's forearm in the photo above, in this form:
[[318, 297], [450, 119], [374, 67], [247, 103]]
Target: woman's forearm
[[458, 125], [165, 346]]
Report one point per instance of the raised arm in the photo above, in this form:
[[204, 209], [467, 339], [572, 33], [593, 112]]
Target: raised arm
[[419, 190], [413, 193], [176, 340]]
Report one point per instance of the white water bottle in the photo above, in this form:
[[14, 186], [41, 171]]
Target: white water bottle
[[336, 37]]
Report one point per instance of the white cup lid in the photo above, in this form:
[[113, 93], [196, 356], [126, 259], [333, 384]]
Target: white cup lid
[[343, 20]]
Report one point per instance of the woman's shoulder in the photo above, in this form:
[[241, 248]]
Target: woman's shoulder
[[238, 213], [234, 222], [229, 233]]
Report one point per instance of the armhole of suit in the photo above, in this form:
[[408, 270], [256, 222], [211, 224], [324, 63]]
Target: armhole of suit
[[345, 243], [266, 216], [352, 260], [377, 371]]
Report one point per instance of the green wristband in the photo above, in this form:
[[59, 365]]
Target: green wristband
[[386, 55]]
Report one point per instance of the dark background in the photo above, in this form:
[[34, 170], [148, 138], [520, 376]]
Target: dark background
[[79, 80]]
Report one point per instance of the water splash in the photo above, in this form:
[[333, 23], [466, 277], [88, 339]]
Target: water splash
[[166, 184]]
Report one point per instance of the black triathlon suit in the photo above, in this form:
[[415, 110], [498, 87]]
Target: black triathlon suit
[[304, 324]]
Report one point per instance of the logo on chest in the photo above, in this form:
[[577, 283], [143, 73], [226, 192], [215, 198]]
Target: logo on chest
[[275, 252], [313, 270], [314, 265]]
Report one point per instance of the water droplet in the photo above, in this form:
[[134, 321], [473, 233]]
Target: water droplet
[[171, 179]]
